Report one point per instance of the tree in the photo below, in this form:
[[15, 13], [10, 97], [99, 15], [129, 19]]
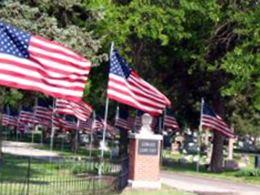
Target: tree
[[185, 47], [59, 20]]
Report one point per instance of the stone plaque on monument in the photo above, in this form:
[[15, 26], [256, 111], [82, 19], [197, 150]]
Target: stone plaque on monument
[[147, 147]]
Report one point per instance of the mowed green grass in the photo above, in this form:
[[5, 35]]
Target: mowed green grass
[[165, 190], [48, 178], [190, 169]]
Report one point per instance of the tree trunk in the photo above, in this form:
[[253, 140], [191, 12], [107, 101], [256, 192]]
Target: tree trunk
[[216, 163], [123, 142]]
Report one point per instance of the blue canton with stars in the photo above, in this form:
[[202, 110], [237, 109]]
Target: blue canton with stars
[[208, 111], [119, 66], [14, 41]]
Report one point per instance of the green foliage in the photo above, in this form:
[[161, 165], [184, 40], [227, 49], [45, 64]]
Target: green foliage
[[244, 61], [248, 173], [187, 49], [190, 49]]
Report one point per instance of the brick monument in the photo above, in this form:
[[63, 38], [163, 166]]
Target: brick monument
[[144, 157]]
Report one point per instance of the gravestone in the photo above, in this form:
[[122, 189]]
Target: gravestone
[[244, 161]]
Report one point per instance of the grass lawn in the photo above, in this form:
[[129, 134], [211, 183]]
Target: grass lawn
[[82, 151], [47, 178], [165, 190], [190, 169]]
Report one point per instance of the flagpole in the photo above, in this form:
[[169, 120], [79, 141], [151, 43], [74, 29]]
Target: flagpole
[[199, 134], [106, 112], [164, 114], [36, 126], [18, 121], [52, 126], [161, 129], [91, 133], [117, 112], [76, 137]]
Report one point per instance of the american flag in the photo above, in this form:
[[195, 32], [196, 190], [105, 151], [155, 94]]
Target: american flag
[[43, 115], [121, 118], [34, 63], [8, 120], [42, 112], [86, 125], [210, 119], [127, 87], [26, 117], [169, 120], [81, 110], [131, 122], [68, 124], [58, 121], [122, 123], [98, 124]]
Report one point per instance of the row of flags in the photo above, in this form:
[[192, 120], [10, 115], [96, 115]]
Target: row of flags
[[34, 63], [48, 117], [44, 116], [27, 120]]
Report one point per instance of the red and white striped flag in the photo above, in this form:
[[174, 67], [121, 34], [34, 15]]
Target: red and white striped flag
[[98, 124], [170, 122], [122, 123], [33, 63], [86, 125], [26, 117], [81, 110], [58, 121], [127, 87], [8, 120], [43, 115], [210, 119], [131, 122]]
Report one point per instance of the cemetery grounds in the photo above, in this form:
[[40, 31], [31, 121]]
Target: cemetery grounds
[[184, 163]]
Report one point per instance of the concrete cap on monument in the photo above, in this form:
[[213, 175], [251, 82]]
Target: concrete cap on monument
[[146, 124]]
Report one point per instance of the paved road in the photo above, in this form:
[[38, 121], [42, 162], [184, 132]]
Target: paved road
[[207, 186], [26, 149]]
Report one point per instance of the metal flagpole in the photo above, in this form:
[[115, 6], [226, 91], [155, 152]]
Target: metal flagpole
[[161, 126], [36, 126], [18, 121], [105, 128], [91, 133], [117, 112], [164, 113], [106, 112], [199, 134], [77, 136], [52, 126]]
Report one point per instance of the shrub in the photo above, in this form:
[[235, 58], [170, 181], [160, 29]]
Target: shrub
[[248, 173]]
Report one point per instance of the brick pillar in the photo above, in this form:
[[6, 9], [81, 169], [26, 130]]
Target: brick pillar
[[144, 161]]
